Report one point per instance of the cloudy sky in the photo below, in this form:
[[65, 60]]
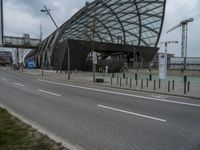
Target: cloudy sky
[[24, 16]]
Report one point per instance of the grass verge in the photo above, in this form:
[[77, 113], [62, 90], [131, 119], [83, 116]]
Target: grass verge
[[15, 135]]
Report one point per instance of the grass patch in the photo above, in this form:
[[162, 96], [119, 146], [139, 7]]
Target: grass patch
[[15, 135]]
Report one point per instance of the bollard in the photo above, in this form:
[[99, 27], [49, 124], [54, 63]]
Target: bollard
[[136, 76], [120, 81], [126, 80], [130, 83], [185, 78], [142, 84], [188, 89], [159, 84], [168, 86], [173, 85], [147, 82], [111, 81], [154, 85], [117, 80], [150, 77], [124, 75], [136, 82], [185, 85]]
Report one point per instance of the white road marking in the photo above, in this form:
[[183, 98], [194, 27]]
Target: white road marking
[[132, 113], [46, 92], [4, 79], [123, 94], [19, 84]]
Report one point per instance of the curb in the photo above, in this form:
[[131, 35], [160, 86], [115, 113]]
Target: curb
[[41, 129]]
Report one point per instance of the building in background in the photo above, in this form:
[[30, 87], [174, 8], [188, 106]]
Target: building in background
[[6, 58]]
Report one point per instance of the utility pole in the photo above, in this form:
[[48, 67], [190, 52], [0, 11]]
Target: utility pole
[[47, 11]]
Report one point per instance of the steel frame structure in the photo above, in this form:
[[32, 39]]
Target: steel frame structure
[[134, 22]]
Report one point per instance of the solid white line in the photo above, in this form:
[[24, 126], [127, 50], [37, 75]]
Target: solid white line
[[123, 94], [46, 92], [132, 113], [18, 84], [4, 79]]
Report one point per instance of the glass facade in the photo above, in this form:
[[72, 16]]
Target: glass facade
[[129, 22]]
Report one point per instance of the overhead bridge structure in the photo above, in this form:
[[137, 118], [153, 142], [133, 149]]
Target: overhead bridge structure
[[127, 30], [20, 42]]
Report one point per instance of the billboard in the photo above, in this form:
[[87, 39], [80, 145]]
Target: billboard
[[1, 23], [162, 66]]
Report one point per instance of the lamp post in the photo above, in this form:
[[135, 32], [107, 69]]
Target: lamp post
[[47, 11]]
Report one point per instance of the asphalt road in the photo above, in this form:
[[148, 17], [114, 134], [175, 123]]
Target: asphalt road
[[97, 118]]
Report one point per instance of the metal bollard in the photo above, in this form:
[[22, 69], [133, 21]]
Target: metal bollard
[[124, 75], [173, 85], [136, 82], [142, 84], [154, 85], [130, 83], [168, 86], [159, 83], [147, 82], [185, 86], [136, 76], [126, 80], [188, 89], [150, 77]]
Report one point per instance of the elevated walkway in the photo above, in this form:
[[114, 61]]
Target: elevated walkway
[[20, 42]]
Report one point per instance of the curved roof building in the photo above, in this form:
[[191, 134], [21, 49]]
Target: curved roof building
[[113, 23]]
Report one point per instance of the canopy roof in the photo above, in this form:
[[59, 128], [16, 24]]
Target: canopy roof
[[127, 22], [131, 22]]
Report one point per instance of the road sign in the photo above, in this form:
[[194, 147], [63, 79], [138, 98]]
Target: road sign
[[94, 57]]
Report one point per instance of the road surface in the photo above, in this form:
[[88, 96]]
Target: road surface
[[98, 118]]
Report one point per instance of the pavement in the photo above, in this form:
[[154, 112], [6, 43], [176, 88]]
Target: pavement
[[193, 91], [94, 117]]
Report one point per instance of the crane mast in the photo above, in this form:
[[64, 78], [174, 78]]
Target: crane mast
[[184, 25]]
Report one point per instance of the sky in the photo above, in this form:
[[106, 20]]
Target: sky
[[24, 16]]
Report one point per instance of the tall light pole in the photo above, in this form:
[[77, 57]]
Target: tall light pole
[[47, 11]]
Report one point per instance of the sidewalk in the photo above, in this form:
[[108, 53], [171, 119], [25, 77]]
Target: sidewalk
[[129, 82]]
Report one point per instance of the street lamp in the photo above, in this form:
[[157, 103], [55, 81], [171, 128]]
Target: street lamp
[[47, 11]]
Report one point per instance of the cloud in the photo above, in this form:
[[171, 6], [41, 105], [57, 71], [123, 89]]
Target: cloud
[[25, 16]]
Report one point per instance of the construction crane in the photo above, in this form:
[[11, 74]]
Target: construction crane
[[184, 25], [168, 42]]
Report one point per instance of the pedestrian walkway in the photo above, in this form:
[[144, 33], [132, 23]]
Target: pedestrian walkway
[[175, 85]]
